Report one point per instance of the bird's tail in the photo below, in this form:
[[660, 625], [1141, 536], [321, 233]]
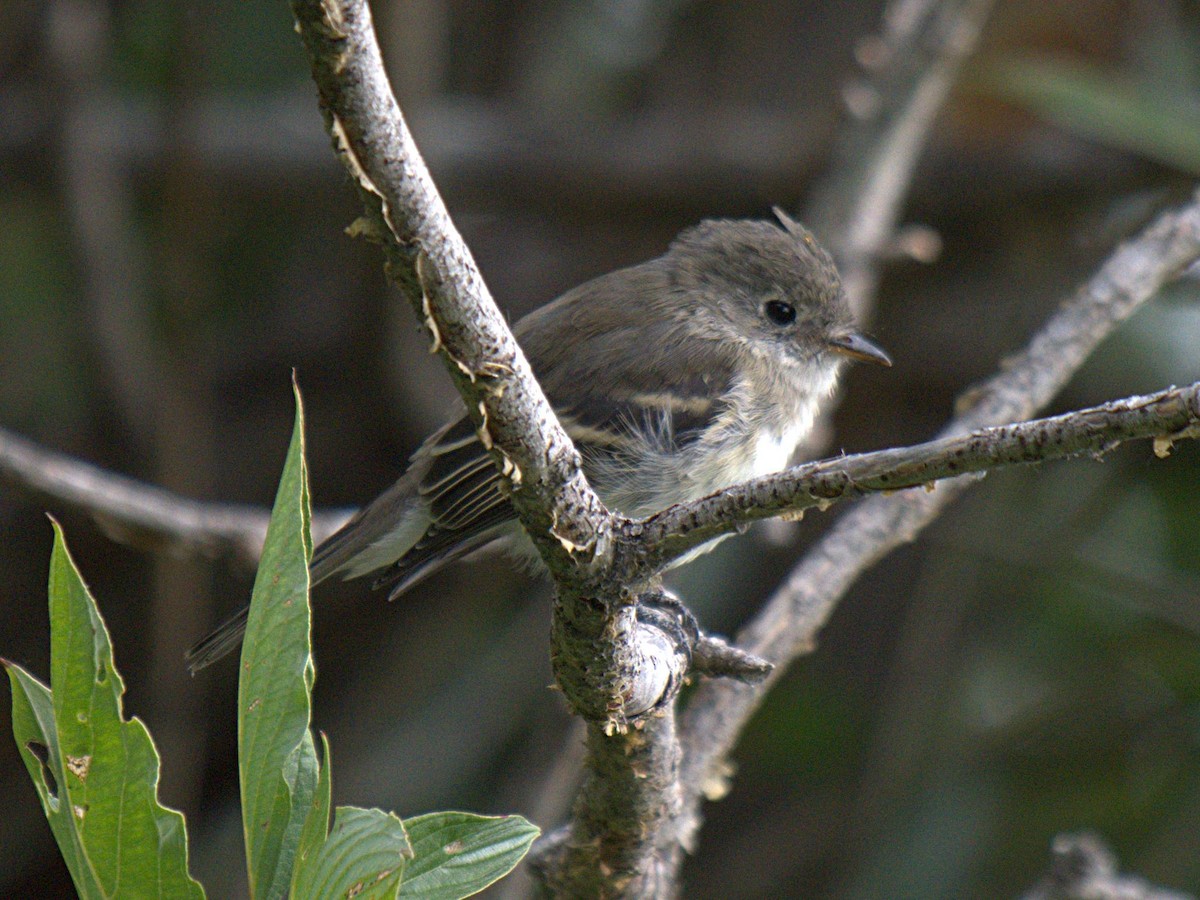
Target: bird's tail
[[228, 635], [219, 643], [372, 540]]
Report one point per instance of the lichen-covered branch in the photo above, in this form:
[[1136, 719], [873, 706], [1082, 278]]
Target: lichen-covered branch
[[428, 259], [631, 822]]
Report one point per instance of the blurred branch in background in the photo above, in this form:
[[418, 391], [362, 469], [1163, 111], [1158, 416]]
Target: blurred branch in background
[[911, 66], [1082, 867], [143, 515], [991, 686], [124, 284], [489, 147]]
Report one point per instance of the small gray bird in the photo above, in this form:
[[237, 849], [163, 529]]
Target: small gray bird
[[675, 378]]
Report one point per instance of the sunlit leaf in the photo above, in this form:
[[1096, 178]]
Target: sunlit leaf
[[275, 746], [458, 854], [95, 773]]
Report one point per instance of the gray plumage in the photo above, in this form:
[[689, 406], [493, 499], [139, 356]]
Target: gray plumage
[[675, 378]]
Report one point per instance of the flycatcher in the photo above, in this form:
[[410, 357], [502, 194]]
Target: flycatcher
[[675, 378]]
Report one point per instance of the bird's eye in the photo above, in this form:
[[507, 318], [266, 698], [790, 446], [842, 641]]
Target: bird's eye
[[780, 312]]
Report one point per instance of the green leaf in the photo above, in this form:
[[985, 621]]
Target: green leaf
[[1150, 118], [316, 825], [95, 773], [458, 854], [278, 762], [363, 857]]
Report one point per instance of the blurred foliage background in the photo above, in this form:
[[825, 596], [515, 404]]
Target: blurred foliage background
[[172, 246]]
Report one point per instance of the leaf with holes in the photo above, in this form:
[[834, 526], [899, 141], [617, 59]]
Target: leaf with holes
[[95, 773], [363, 857]]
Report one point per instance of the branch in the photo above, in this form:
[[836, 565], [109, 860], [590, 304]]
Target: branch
[[1172, 413], [628, 811], [698, 159], [694, 160], [429, 261], [624, 819], [129, 508], [132, 511], [913, 63], [788, 624], [1082, 867]]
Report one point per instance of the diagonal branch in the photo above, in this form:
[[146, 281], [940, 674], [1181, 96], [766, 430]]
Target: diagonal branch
[[913, 64], [429, 261], [628, 805], [910, 67]]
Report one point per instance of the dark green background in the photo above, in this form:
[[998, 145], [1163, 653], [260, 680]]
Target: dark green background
[[171, 248]]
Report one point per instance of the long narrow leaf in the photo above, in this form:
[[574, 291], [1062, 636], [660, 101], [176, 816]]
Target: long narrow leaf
[[276, 754], [1132, 115]]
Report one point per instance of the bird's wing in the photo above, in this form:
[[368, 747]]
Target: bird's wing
[[446, 504], [613, 360], [463, 494], [621, 354], [613, 363]]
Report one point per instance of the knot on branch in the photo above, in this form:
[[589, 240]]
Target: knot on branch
[[616, 665], [638, 657]]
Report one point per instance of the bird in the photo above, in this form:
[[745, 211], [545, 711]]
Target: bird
[[675, 378]]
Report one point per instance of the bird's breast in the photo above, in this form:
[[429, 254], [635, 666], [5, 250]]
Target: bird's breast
[[773, 448]]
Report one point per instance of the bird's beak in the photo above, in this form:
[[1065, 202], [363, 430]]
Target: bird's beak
[[855, 346]]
